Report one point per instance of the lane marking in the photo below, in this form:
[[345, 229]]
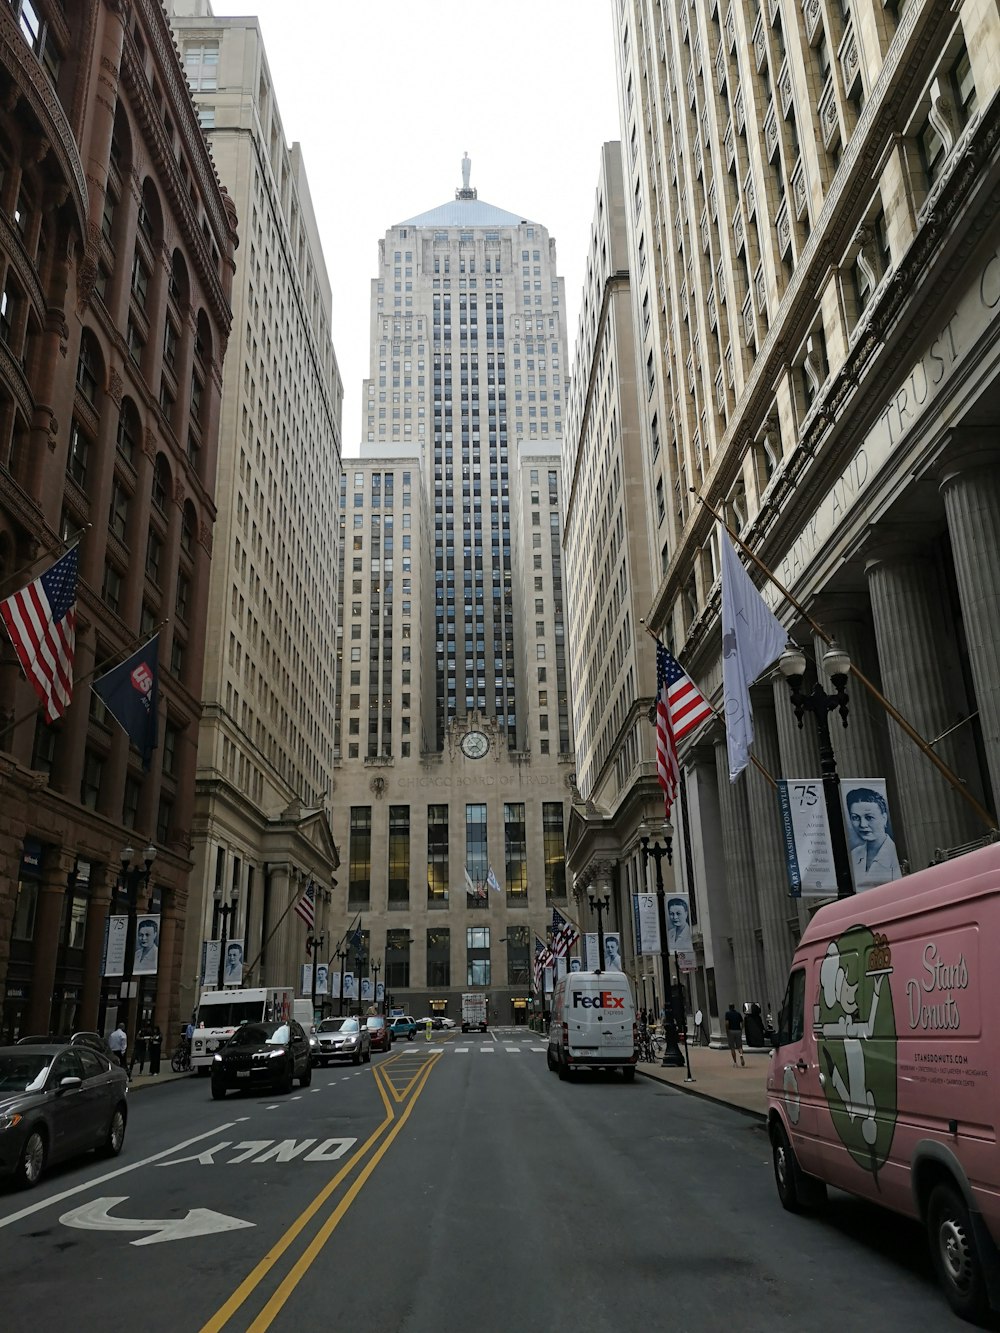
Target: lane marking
[[112, 1175], [302, 1265], [257, 1275], [487, 1050], [95, 1216]]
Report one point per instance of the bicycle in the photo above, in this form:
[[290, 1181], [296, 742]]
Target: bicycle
[[645, 1047], [180, 1061]]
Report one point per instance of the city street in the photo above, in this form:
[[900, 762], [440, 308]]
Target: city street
[[449, 1185]]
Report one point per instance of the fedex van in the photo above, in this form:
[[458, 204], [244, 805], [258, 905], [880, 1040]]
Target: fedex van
[[593, 1024], [885, 1078]]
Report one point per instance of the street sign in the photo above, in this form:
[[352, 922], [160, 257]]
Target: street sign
[[94, 1216]]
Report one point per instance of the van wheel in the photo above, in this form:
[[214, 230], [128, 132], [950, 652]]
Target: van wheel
[[628, 1073], [549, 1061], [955, 1254], [563, 1071], [796, 1190]]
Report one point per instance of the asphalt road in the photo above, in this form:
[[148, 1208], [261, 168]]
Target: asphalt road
[[449, 1186]]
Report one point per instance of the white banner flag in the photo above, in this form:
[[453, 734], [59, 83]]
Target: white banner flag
[[752, 638]]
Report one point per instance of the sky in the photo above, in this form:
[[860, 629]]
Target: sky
[[386, 97]]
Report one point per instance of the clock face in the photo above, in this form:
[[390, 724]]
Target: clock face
[[475, 744]]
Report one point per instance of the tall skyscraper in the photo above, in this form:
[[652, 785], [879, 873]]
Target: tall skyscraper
[[455, 738], [261, 830]]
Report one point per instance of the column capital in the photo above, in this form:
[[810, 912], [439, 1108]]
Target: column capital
[[889, 544], [967, 449]]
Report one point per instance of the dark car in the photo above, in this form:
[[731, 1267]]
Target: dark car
[[262, 1055], [57, 1101], [344, 1039], [92, 1039], [379, 1032]]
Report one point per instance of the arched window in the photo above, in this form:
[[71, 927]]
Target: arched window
[[89, 368], [203, 340], [179, 288], [129, 430], [150, 213], [161, 483]]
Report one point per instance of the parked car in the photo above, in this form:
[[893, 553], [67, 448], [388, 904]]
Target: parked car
[[343, 1039], [57, 1101], [403, 1026], [449, 1024], [379, 1033], [436, 1022], [92, 1039], [268, 1055]]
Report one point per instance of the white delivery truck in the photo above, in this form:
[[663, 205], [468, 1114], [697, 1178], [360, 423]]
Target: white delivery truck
[[221, 1012], [593, 1024], [474, 1006]]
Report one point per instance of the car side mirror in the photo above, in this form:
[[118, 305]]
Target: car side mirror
[[69, 1082]]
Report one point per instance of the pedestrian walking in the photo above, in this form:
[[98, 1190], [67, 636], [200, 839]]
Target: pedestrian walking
[[734, 1033], [117, 1042], [155, 1050], [140, 1048]]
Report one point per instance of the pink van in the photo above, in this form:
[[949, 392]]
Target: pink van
[[885, 1078]]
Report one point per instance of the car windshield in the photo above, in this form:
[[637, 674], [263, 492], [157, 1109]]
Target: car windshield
[[260, 1034], [339, 1025], [18, 1072], [375, 1023]]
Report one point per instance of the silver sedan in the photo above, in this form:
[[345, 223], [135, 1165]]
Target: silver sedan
[[343, 1039]]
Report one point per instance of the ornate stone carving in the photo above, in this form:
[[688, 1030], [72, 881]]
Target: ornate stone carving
[[149, 443], [180, 492], [115, 387]]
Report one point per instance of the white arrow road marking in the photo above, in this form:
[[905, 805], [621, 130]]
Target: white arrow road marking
[[111, 1175], [93, 1216], [206, 1158]]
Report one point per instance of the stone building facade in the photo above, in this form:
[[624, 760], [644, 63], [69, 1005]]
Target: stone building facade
[[116, 255], [265, 777], [811, 200], [454, 727]]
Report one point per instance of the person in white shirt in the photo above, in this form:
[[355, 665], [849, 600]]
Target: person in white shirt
[[117, 1043]]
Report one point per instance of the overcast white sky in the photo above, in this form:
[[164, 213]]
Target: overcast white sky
[[385, 97]]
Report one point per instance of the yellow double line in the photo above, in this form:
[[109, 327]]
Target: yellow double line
[[301, 1266]]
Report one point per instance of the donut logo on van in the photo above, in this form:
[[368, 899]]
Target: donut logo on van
[[855, 1026]]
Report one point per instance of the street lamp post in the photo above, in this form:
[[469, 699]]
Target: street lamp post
[[376, 968], [223, 912], [313, 945], [131, 878], [341, 956], [671, 1053], [837, 664], [360, 957], [600, 906]]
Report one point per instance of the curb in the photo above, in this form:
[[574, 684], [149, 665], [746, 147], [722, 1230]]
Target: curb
[[759, 1116], [174, 1078]]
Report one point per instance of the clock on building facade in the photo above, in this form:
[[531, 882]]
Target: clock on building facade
[[475, 744]]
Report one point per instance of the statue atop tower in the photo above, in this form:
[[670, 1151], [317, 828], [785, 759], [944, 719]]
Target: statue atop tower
[[466, 192]]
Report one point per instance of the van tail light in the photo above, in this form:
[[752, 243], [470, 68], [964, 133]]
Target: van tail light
[[565, 1034]]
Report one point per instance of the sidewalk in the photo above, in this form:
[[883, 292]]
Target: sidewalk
[[166, 1075], [717, 1080]]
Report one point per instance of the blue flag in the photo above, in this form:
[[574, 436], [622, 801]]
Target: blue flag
[[130, 693]]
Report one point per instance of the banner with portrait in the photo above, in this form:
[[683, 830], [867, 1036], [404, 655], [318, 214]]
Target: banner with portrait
[[350, 992], [612, 952], [680, 944], [146, 958], [870, 838]]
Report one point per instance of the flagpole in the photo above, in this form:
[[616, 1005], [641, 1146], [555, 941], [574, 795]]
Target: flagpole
[[12, 726], [66, 542], [719, 717], [950, 777]]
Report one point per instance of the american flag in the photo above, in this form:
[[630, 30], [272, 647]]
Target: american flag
[[41, 621], [564, 934], [688, 706], [543, 959], [680, 707], [306, 906]]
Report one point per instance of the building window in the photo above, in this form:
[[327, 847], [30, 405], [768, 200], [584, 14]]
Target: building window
[[399, 856], [201, 65], [111, 592], [79, 454], [477, 948], [118, 518], [397, 960], [437, 856], [554, 849], [438, 957], [154, 554], [360, 857], [515, 846], [90, 784], [87, 368]]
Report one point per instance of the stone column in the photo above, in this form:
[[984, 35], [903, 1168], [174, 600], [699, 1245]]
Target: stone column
[[57, 867], [915, 633], [741, 883], [165, 1013], [710, 884], [971, 488], [93, 945], [774, 904]]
